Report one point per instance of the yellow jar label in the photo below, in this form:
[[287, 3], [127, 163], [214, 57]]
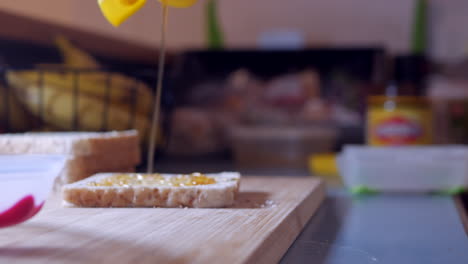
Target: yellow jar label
[[405, 126]]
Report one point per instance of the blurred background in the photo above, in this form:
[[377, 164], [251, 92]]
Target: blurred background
[[262, 86]]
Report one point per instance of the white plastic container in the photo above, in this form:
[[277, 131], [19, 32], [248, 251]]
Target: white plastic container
[[405, 169], [26, 181]]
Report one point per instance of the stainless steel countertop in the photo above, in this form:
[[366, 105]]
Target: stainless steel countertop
[[382, 229]]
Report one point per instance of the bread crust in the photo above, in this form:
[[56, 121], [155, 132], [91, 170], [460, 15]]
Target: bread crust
[[220, 194]]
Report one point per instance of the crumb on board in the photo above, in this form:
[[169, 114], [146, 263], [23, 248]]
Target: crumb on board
[[266, 204]]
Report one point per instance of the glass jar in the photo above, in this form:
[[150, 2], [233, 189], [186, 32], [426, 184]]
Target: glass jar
[[401, 114], [399, 120]]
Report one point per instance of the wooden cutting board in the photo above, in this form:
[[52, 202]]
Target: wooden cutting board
[[269, 214]]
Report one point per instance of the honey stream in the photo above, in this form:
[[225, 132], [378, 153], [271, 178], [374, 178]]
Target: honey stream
[[157, 106]]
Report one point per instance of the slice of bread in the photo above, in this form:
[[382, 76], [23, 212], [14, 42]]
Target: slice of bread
[[71, 143], [88, 192], [89, 152], [70, 175], [81, 167]]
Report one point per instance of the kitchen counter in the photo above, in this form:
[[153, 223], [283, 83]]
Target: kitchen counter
[[382, 229], [371, 229]]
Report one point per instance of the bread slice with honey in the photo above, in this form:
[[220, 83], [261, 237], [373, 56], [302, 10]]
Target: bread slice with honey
[[154, 190]]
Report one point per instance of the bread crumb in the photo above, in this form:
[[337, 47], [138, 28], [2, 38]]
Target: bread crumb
[[270, 203], [266, 204]]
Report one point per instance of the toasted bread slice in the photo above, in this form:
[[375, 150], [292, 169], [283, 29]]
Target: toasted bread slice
[[154, 190]]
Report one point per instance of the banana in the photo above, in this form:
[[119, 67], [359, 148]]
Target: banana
[[123, 90], [127, 104], [59, 109], [74, 57], [19, 119]]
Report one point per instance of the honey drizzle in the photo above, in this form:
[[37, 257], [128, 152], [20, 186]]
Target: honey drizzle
[[157, 105], [135, 179]]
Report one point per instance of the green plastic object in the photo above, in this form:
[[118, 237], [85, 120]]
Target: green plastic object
[[363, 190], [453, 191], [419, 33], [214, 32]]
